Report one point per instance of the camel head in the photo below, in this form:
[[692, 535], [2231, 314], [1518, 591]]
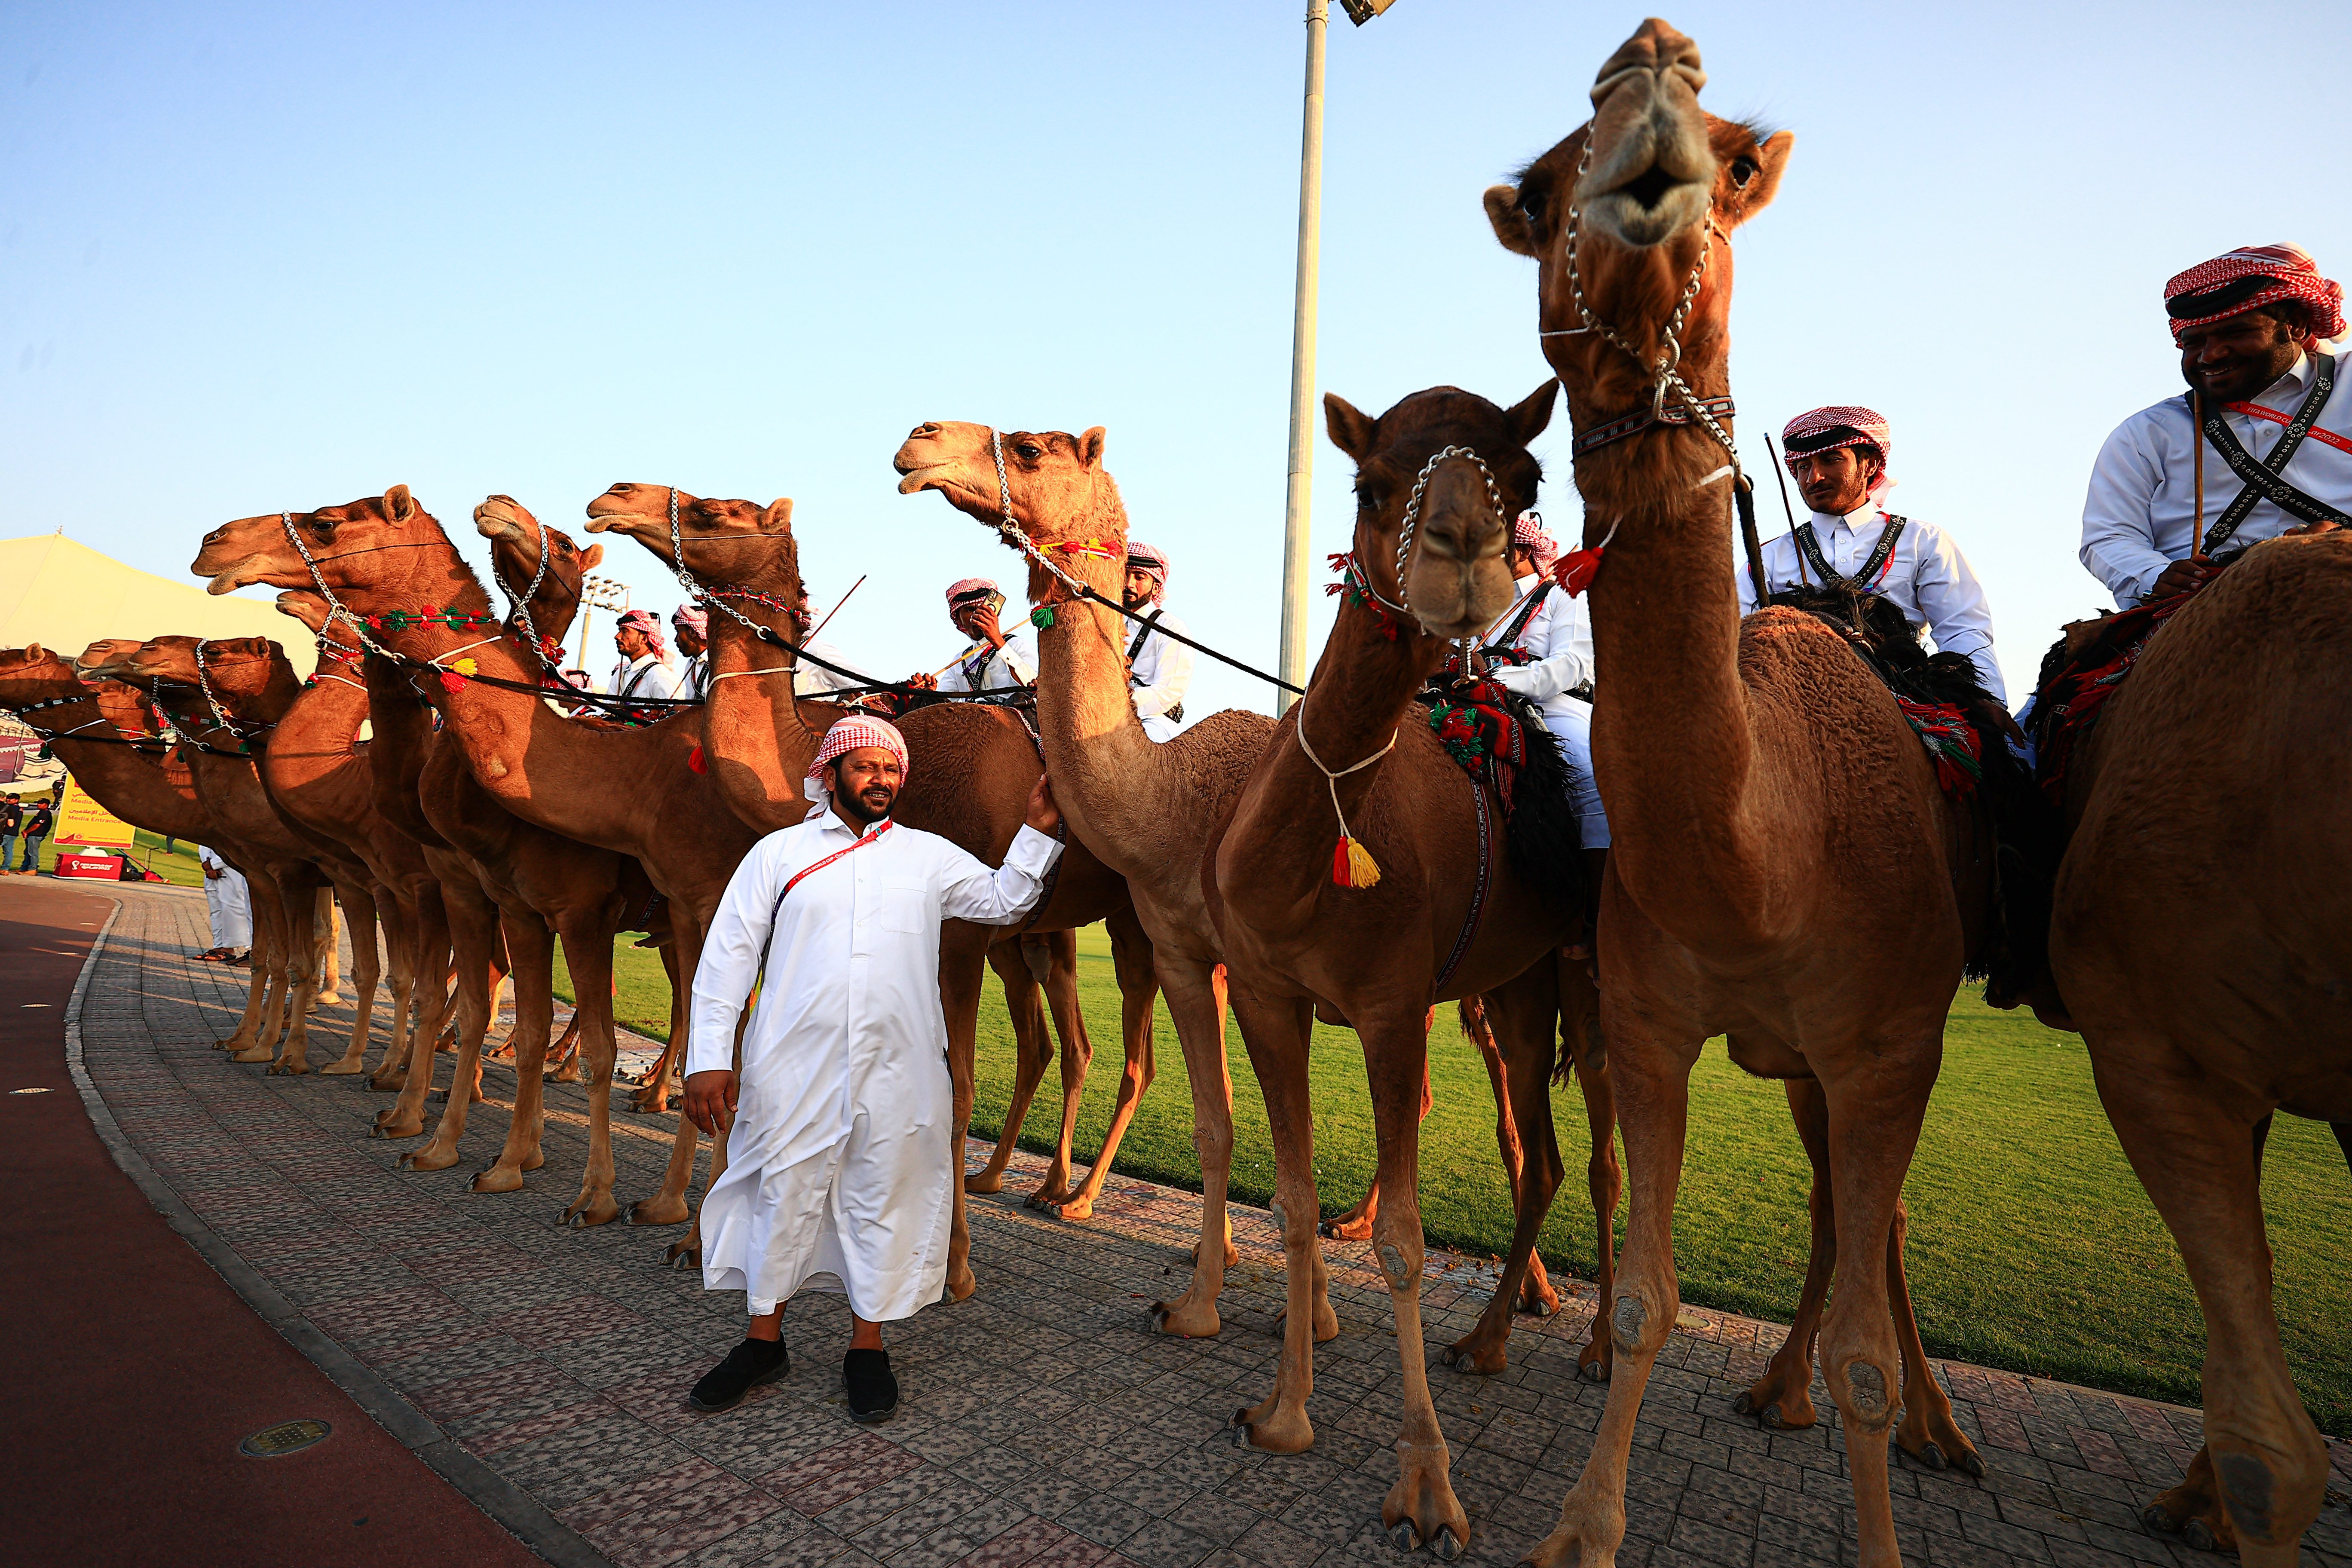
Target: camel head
[[34, 674], [246, 675], [1063, 498], [727, 543], [374, 542], [1455, 576], [1654, 183], [515, 537]]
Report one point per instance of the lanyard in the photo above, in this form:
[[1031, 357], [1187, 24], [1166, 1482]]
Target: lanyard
[[1871, 569], [871, 835], [2256, 411], [2263, 482], [1525, 612]]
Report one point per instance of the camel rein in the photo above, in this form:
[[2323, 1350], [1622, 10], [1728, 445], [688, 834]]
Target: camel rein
[[1665, 376]]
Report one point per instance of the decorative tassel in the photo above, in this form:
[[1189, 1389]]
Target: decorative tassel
[[452, 682], [466, 666], [1042, 616], [694, 760], [1352, 865], [1576, 570]]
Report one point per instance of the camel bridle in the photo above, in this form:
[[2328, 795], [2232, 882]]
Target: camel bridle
[[521, 602], [704, 593]]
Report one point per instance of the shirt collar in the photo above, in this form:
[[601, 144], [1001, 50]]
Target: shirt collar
[[1855, 521], [830, 819], [2294, 383]]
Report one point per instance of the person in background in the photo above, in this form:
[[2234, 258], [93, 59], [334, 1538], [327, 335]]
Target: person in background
[[812, 679], [1159, 667], [1541, 648], [646, 669], [995, 662], [39, 818], [226, 901], [691, 623], [12, 820]]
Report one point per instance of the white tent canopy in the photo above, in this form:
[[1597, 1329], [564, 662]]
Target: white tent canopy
[[65, 596]]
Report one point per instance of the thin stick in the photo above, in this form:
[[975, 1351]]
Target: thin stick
[[2196, 418], [1780, 472], [953, 662], [837, 604]]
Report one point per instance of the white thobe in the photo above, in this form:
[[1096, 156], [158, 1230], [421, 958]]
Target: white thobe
[[840, 1166], [2140, 515], [815, 680], [694, 679], [1925, 576], [999, 670], [1160, 674], [1558, 637], [647, 675], [228, 902]]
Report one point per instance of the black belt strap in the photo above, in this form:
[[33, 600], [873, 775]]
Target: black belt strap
[[1509, 636], [1143, 630], [2263, 482], [1810, 545]]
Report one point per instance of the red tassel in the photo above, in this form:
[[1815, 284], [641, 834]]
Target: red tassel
[[1576, 570], [1339, 863], [452, 682], [694, 760]]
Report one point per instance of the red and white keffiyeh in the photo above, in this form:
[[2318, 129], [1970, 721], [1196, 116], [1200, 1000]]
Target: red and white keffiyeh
[[646, 622], [1528, 533], [1153, 563], [846, 736], [687, 617], [1841, 425], [2248, 279]]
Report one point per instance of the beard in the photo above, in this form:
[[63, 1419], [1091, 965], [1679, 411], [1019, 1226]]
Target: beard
[[867, 806]]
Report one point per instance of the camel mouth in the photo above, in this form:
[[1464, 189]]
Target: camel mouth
[[245, 574], [924, 477], [1649, 209]]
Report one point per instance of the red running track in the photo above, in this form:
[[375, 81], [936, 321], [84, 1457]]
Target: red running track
[[136, 1370]]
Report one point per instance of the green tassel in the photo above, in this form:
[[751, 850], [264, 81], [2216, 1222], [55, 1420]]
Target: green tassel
[[1042, 616]]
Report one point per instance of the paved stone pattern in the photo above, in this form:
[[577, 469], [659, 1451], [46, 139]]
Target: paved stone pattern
[[1045, 1423]]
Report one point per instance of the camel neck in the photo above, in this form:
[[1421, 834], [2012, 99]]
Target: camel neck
[[319, 732], [1114, 785], [135, 785], [758, 737]]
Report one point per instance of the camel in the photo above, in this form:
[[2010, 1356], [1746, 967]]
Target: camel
[[287, 871], [1785, 869], [2200, 806], [973, 769], [1147, 810], [627, 790]]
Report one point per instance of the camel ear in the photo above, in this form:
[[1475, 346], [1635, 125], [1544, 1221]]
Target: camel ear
[[778, 517], [1528, 419], [589, 556], [1511, 224], [1090, 447], [1774, 158], [398, 504], [33, 651], [1350, 428]]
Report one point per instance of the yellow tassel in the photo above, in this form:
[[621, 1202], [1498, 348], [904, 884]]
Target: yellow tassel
[[1352, 865], [466, 666]]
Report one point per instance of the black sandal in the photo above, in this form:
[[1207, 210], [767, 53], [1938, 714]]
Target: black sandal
[[747, 1366], [872, 1390]]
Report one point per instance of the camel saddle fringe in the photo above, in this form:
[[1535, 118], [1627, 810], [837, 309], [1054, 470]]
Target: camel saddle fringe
[[1958, 721], [1498, 738]]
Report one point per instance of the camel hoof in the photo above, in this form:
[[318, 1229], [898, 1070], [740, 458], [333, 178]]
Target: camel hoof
[[340, 1069], [1598, 1372], [982, 1182], [2157, 1521], [1972, 1463], [1541, 1309], [1072, 1209], [1446, 1545], [1771, 1418], [1745, 1404], [1403, 1536], [2198, 1536], [684, 1261], [1931, 1455]]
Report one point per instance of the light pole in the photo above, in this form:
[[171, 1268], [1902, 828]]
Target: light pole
[[1296, 567], [599, 592]]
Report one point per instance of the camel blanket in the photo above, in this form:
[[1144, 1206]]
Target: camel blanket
[[840, 1164]]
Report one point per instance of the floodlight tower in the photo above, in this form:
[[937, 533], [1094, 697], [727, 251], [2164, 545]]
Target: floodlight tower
[[599, 593]]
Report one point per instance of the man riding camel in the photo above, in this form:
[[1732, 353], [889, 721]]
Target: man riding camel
[[646, 669], [691, 626], [1541, 648], [1159, 667], [1838, 457], [995, 662], [840, 1168], [811, 679], [2254, 330]]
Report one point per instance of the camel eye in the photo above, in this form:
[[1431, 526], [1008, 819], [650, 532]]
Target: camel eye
[[1742, 171], [1531, 203], [1029, 452]]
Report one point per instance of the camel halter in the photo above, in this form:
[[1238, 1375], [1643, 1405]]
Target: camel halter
[[521, 602], [1665, 375], [1352, 865]]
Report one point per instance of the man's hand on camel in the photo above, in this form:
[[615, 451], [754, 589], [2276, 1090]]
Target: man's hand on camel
[[2180, 577], [710, 1101], [924, 682], [1043, 815]]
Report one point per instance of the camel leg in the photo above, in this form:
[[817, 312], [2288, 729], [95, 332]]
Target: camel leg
[[262, 901], [477, 977], [1130, 953], [384, 911], [564, 1054], [358, 905], [1357, 1223], [652, 1097], [1580, 1030], [428, 960], [328, 927], [472, 924], [1513, 1031], [2264, 1457], [1060, 952], [1650, 1072], [1928, 1432], [686, 1252], [1032, 1050], [1277, 1032], [1783, 1396], [668, 1206], [530, 943], [1196, 1004], [589, 957], [300, 984]]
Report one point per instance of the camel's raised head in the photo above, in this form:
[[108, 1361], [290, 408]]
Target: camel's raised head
[[1619, 214], [737, 543], [309, 608], [539, 566], [340, 545], [626, 503], [1441, 477], [1054, 484]]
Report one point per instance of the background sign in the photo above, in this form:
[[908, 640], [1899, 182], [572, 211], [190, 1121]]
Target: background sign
[[82, 820]]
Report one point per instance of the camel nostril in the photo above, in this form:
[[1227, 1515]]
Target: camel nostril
[[1650, 187]]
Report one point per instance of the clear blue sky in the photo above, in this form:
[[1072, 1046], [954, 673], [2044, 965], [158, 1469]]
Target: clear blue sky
[[264, 257]]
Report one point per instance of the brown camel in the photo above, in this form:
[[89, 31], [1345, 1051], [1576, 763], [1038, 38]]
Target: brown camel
[[973, 769], [1785, 869], [2207, 803], [387, 559], [294, 869], [1147, 810]]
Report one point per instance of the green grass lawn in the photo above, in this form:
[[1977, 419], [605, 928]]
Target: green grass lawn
[[2032, 1246]]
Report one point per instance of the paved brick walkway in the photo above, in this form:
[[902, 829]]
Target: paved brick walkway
[[1045, 1423]]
